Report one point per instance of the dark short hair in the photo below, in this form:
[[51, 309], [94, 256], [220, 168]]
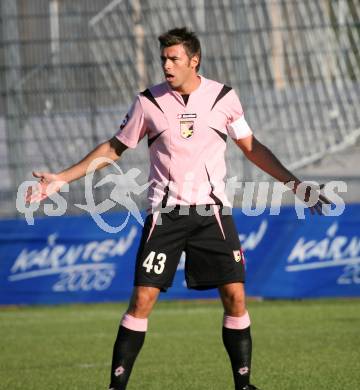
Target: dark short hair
[[183, 36]]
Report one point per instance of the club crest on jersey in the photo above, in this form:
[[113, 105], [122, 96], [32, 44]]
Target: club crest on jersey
[[186, 129]]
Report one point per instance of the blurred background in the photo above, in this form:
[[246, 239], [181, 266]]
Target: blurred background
[[70, 70]]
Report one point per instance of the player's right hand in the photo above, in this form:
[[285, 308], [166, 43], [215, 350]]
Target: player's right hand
[[48, 184]]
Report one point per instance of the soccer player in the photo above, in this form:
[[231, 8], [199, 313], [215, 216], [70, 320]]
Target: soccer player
[[187, 120]]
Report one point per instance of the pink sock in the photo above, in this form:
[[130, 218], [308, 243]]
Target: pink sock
[[242, 322], [133, 323]]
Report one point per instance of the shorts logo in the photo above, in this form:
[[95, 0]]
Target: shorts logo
[[237, 256], [186, 129], [124, 122]]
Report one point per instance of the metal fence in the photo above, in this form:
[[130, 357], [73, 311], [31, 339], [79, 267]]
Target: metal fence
[[69, 71]]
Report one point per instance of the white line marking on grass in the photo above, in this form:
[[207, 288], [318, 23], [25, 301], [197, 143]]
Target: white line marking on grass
[[92, 365]]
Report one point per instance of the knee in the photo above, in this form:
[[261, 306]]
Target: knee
[[235, 304], [141, 304]]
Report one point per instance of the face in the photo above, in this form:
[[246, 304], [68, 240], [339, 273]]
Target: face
[[178, 68]]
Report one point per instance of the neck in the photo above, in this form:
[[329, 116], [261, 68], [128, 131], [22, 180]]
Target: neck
[[189, 86]]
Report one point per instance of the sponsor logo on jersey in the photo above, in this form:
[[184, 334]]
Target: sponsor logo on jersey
[[186, 116], [124, 122], [186, 129]]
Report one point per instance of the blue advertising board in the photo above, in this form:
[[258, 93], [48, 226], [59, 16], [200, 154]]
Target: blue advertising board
[[70, 259]]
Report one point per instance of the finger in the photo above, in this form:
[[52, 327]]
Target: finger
[[30, 193], [33, 199], [38, 174], [321, 209], [307, 193], [324, 199], [318, 209], [37, 198], [33, 194], [42, 197]]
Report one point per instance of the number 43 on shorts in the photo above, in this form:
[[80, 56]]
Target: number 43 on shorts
[[160, 263]]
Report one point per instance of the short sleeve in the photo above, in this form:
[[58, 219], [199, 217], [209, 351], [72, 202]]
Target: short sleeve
[[133, 128], [237, 126]]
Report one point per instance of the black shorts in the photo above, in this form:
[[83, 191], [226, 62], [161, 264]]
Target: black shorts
[[211, 244]]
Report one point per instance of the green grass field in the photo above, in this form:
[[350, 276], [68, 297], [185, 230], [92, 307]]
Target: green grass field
[[297, 345]]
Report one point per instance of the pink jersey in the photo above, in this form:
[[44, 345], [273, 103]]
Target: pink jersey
[[187, 142]]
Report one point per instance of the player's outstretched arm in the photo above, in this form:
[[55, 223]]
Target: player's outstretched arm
[[50, 183], [262, 157]]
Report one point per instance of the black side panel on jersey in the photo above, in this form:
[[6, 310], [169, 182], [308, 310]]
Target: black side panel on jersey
[[224, 90], [166, 193], [149, 95], [165, 197], [212, 195], [222, 135], [153, 139]]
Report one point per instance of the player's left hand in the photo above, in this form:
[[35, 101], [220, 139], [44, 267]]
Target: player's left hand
[[311, 195]]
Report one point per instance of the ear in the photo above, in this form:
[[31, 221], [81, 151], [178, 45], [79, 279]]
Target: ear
[[194, 62]]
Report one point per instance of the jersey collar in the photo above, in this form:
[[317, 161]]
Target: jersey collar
[[178, 96]]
